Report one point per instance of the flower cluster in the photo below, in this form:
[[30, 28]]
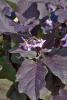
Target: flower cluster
[[32, 44]]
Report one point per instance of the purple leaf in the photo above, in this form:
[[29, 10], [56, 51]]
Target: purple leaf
[[42, 10], [58, 65], [4, 25], [62, 95], [63, 3], [64, 39], [3, 4], [23, 53], [23, 5], [45, 1], [23, 27], [4, 22], [36, 6], [62, 15], [31, 77], [32, 11]]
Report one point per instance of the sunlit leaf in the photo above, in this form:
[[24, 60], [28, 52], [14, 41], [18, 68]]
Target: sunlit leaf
[[4, 87], [45, 94]]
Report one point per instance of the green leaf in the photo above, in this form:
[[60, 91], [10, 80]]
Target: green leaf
[[1, 67], [8, 71], [16, 59], [7, 42], [13, 93], [12, 4]]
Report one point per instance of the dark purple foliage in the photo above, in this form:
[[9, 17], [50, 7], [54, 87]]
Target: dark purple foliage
[[62, 96], [39, 28], [57, 64], [31, 77]]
